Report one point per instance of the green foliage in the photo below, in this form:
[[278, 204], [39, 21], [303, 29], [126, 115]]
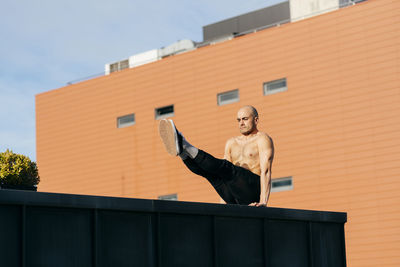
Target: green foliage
[[16, 169]]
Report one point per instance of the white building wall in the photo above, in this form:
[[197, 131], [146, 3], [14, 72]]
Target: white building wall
[[144, 58], [301, 9]]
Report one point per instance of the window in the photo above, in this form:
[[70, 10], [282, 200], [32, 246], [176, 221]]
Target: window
[[164, 112], [124, 64], [120, 65], [282, 184], [169, 197], [228, 97], [275, 86], [125, 121], [114, 67]]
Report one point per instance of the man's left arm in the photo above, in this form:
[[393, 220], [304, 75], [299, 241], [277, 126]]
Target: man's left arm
[[266, 154]]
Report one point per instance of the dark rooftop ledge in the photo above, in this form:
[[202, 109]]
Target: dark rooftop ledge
[[48, 229], [163, 206]]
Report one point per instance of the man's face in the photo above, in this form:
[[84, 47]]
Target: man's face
[[247, 121]]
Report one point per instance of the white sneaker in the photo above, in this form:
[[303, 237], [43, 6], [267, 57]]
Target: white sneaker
[[170, 136]]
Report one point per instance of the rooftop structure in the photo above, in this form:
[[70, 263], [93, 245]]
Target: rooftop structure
[[288, 11]]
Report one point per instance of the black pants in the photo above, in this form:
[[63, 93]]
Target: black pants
[[234, 184]]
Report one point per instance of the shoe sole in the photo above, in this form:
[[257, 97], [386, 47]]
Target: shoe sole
[[168, 136]]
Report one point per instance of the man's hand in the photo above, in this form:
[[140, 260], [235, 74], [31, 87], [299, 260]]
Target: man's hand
[[256, 204]]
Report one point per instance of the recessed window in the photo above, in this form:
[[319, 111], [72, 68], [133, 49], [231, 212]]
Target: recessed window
[[114, 67], [228, 97], [164, 112], [125, 121], [282, 184], [275, 86], [169, 197], [120, 65]]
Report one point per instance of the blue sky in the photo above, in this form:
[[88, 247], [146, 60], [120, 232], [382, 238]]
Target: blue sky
[[46, 43]]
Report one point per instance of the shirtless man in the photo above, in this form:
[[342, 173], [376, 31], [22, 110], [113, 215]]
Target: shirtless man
[[244, 175]]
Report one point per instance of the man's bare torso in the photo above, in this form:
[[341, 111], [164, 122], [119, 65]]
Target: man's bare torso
[[243, 151]]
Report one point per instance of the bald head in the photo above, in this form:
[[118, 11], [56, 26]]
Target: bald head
[[251, 109], [247, 118]]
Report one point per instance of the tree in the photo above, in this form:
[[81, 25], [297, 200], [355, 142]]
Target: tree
[[17, 170]]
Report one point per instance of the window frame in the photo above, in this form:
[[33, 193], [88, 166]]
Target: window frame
[[284, 187], [127, 124], [267, 91], [226, 102], [169, 197], [158, 116]]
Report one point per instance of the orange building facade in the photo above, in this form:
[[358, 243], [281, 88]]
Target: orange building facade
[[336, 128]]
